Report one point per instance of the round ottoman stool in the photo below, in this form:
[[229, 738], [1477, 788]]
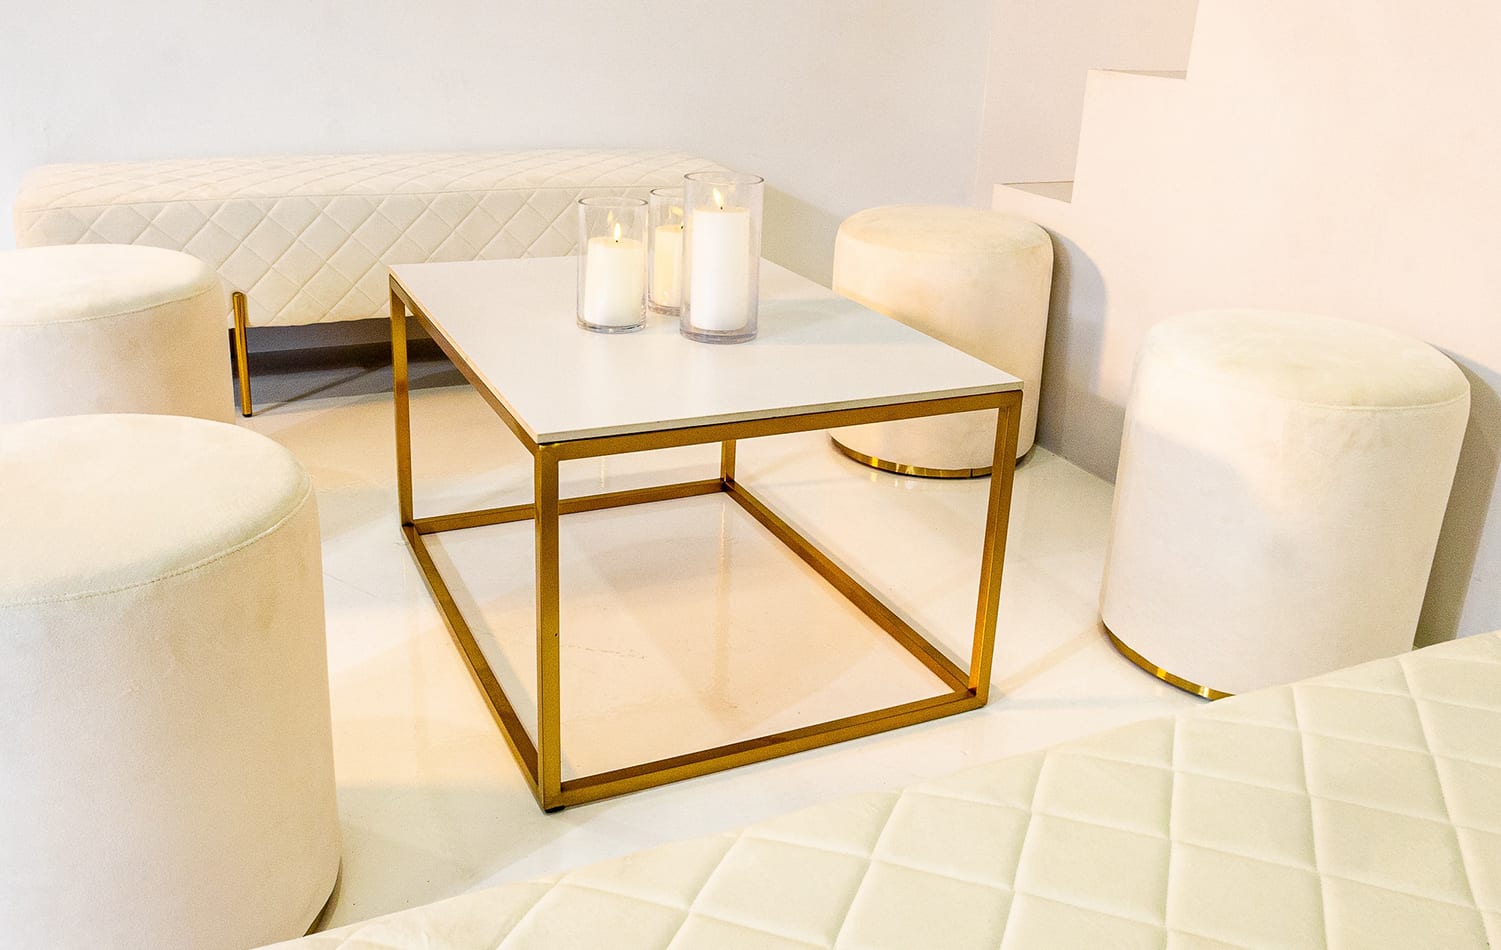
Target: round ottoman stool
[[111, 328], [1282, 483], [166, 776], [977, 280]]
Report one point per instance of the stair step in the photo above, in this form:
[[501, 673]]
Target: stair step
[[1056, 190], [1152, 73]]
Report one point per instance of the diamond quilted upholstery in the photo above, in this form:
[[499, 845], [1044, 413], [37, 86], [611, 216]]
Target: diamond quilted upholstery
[[1359, 809], [308, 238]]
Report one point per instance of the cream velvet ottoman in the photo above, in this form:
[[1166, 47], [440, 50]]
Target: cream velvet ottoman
[[166, 773], [1282, 483], [111, 328], [977, 280]]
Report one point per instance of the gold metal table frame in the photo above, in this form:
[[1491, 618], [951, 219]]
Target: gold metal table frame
[[541, 760]]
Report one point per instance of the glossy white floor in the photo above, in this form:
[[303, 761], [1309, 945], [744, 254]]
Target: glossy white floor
[[684, 625]]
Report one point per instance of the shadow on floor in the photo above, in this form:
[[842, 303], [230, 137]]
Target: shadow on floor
[[290, 376]]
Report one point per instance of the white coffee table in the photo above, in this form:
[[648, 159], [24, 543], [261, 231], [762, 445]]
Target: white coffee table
[[820, 362]]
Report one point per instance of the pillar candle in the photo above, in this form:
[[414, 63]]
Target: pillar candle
[[719, 268], [667, 266], [614, 281]]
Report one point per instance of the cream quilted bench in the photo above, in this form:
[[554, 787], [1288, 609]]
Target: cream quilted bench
[[307, 239], [1359, 809]]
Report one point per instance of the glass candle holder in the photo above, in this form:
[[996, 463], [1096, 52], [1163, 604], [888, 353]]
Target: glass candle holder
[[612, 264], [664, 284], [721, 256]]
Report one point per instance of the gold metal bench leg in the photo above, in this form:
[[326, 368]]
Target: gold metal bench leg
[[242, 361]]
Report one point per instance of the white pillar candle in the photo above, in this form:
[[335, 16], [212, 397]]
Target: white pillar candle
[[614, 281], [667, 266], [719, 266]]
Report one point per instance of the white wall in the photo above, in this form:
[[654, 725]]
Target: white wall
[[1040, 53], [839, 104], [1321, 155]]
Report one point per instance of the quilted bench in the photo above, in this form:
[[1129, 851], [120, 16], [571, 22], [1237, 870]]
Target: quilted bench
[[1358, 809], [307, 239]]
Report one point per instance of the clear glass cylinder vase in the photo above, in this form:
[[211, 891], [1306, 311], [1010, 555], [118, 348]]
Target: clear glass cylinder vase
[[721, 256], [664, 280], [612, 264]]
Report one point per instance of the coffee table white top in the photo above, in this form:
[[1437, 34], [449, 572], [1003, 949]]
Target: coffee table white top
[[513, 323]]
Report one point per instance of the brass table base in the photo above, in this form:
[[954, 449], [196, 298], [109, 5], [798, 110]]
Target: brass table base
[[899, 468], [541, 759], [1171, 679]]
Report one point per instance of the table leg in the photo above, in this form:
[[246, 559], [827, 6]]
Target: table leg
[[727, 461], [992, 559], [402, 401], [549, 717]]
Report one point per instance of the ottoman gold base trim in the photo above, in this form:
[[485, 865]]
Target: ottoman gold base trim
[[320, 920], [899, 469], [1171, 679]]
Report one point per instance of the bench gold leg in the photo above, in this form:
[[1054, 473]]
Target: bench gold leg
[[242, 361]]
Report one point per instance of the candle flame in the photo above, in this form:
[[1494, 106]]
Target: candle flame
[[719, 199], [617, 231]]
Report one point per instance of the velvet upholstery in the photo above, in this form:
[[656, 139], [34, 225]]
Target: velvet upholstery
[[1282, 483], [977, 280], [111, 328], [166, 773]]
